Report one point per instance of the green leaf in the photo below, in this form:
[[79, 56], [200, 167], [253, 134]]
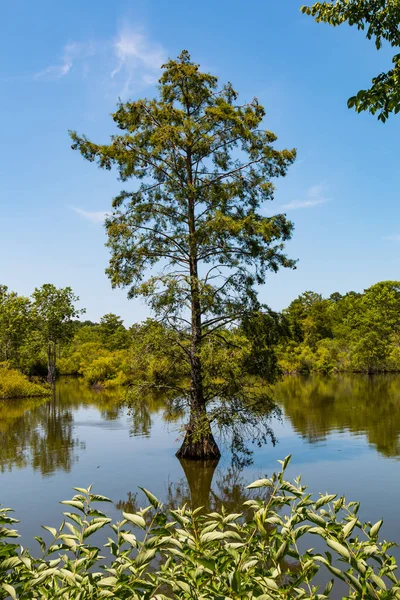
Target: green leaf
[[81, 490], [75, 503], [108, 581], [379, 582], [270, 583], [212, 536], [10, 563], [347, 529], [129, 538], [259, 483], [285, 462], [99, 498], [328, 587], [95, 527], [375, 528], [145, 557], [10, 590], [183, 585], [324, 500], [135, 520], [339, 548], [151, 498], [52, 530]]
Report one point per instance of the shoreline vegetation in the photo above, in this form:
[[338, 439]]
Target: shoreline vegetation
[[14, 384], [350, 333]]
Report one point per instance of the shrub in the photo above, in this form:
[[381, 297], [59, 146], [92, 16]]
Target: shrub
[[14, 384], [183, 553], [73, 363], [106, 370]]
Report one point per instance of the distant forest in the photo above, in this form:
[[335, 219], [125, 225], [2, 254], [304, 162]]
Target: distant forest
[[355, 332]]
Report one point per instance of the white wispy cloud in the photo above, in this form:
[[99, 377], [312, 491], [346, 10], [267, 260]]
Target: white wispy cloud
[[97, 217], [138, 59], [315, 195], [392, 238], [73, 53], [129, 62]]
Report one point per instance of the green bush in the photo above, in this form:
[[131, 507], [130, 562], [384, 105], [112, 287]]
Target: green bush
[[14, 384], [158, 554], [106, 370], [73, 363]]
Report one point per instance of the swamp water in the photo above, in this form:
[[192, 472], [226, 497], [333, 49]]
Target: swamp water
[[343, 433]]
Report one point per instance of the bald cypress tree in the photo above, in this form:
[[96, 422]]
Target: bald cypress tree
[[190, 237]]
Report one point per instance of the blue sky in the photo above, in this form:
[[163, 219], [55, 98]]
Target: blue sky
[[63, 66]]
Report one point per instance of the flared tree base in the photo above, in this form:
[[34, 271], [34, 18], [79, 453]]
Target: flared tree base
[[199, 447]]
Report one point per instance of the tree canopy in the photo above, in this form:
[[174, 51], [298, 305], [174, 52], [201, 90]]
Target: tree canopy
[[357, 332], [380, 19]]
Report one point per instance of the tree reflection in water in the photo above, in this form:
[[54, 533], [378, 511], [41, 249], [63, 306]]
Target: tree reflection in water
[[40, 433], [196, 489], [361, 404]]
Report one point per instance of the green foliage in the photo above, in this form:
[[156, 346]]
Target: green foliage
[[107, 370], [182, 143], [308, 318], [354, 332], [112, 332], [14, 384], [33, 330], [157, 553], [380, 19], [15, 325], [77, 357], [55, 310]]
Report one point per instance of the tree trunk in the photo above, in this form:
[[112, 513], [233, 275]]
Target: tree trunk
[[51, 363], [199, 442]]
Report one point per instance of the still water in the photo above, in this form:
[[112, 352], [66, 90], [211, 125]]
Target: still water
[[343, 433]]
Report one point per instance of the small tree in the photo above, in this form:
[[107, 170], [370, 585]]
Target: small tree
[[113, 334], [15, 324], [55, 310], [207, 167], [380, 19]]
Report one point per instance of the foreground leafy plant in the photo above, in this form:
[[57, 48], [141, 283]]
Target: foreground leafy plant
[[183, 553]]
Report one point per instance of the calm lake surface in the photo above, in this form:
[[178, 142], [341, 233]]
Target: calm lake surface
[[343, 433]]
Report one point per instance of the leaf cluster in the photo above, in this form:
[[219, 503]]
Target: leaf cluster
[[157, 553]]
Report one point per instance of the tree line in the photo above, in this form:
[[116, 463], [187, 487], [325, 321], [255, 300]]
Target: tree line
[[352, 332]]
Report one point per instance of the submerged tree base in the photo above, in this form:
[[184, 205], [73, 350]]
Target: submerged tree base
[[197, 447]]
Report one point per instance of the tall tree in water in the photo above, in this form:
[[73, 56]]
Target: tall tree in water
[[380, 19], [206, 168], [55, 310]]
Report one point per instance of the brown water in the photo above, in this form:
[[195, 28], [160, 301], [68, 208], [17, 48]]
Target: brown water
[[343, 433]]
